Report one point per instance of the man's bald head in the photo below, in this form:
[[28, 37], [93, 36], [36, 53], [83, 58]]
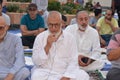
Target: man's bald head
[[55, 15]]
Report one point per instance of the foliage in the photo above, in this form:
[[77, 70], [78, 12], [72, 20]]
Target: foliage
[[54, 5], [69, 8], [20, 0], [89, 5], [12, 8]]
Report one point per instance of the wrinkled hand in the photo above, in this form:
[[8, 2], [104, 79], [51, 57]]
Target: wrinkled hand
[[9, 77], [80, 62], [102, 41], [65, 78], [51, 39]]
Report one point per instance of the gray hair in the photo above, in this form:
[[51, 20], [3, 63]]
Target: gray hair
[[82, 12], [53, 13]]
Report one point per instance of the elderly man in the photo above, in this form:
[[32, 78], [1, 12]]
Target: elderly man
[[53, 56], [12, 63], [113, 54], [106, 26], [31, 25], [88, 43]]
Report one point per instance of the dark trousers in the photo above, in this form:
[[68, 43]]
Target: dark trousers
[[107, 38], [28, 41], [113, 74]]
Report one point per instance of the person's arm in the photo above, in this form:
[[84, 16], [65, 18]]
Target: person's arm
[[98, 28], [19, 56], [39, 55], [65, 78], [96, 52], [50, 40], [114, 54], [9, 77], [26, 32], [102, 41], [114, 26], [113, 49]]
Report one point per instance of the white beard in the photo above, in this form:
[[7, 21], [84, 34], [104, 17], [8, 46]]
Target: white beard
[[81, 28], [57, 33], [2, 36]]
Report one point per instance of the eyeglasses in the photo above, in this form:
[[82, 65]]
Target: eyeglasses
[[55, 25], [2, 27]]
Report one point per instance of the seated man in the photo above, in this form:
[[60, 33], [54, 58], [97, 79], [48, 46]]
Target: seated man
[[113, 54], [106, 26], [88, 43], [53, 57], [12, 63], [31, 25], [93, 20]]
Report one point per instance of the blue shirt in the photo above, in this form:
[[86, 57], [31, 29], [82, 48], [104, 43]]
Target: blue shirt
[[11, 54], [35, 24]]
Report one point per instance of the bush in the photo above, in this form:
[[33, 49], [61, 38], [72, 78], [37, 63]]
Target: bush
[[54, 5], [12, 8], [20, 0], [69, 8]]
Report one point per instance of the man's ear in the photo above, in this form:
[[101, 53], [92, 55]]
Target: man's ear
[[7, 27]]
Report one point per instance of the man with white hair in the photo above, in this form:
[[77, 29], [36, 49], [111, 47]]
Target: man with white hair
[[12, 63], [88, 43]]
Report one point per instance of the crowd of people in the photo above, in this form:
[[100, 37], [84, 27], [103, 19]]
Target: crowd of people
[[60, 51]]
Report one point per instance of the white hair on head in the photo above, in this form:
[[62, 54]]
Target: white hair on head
[[54, 13], [82, 12]]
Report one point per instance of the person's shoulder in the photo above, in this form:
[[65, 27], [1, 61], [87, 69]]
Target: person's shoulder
[[72, 27], [5, 15], [113, 19], [102, 18], [12, 36], [67, 34], [39, 16], [42, 34], [25, 15], [92, 30]]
